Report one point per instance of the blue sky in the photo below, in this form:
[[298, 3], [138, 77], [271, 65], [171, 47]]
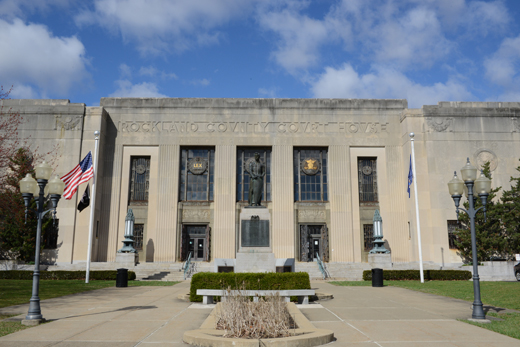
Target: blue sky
[[422, 50]]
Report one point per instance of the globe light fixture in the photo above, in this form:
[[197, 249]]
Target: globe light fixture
[[39, 189], [469, 185]]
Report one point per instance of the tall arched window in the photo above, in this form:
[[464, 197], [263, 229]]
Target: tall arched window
[[310, 174], [197, 168]]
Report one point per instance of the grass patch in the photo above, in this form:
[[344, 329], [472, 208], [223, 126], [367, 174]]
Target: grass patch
[[7, 328], [498, 294], [16, 292], [509, 325]]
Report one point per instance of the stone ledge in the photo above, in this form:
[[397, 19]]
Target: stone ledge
[[305, 335]]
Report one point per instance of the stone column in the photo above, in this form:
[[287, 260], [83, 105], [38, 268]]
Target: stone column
[[225, 201], [395, 226], [282, 193], [341, 238], [164, 245]]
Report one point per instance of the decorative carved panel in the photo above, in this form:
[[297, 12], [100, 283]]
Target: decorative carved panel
[[439, 124], [311, 215], [68, 123], [195, 215]]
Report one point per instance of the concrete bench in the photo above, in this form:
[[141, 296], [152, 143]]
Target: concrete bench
[[302, 294]]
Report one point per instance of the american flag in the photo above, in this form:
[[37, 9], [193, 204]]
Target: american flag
[[80, 174]]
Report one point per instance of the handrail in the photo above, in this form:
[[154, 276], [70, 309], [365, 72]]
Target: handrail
[[187, 265], [321, 266]]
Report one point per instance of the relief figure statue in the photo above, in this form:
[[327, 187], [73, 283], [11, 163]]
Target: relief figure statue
[[256, 184]]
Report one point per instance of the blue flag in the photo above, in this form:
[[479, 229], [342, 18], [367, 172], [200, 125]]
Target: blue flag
[[410, 176]]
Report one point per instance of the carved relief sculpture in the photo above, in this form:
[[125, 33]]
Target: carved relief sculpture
[[439, 124]]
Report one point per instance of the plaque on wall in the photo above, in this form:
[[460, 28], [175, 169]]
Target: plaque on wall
[[197, 165], [255, 233], [310, 166]]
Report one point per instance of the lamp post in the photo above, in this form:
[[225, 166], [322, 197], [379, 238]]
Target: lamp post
[[39, 188], [129, 234], [379, 244], [482, 186]]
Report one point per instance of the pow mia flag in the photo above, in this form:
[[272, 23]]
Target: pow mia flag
[[85, 200]]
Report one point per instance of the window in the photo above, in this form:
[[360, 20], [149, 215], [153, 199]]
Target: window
[[197, 167], [367, 176], [452, 233], [243, 156], [139, 180], [368, 237], [50, 237], [138, 236], [310, 174]]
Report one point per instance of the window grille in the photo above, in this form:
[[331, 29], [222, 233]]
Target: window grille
[[197, 179], [139, 179], [138, 236], [367, 176], [50, 238], [310, 180], [243, 155], [368, 236], [452, 233]]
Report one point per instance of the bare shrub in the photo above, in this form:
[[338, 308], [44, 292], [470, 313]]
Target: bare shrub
[[240, 317]]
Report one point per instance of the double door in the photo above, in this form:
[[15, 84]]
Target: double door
[[314, 242], [195, 241]]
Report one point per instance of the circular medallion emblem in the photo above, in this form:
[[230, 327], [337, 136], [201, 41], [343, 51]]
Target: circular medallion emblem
[[483, 156], [367, 170], [248, 162], [197, 165], [310, 166], [140, 169]]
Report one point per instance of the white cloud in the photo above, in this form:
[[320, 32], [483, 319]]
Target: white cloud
[[385, 83], [202, 82], [300, 38], [140, 90], [23, 92], [268, 92], [20, 8], [162, 26], [32, 57], [502, 68], [151, 71], [125, 71]]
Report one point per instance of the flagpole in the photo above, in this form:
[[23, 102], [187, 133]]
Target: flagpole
[[92, 206], [421, 270]]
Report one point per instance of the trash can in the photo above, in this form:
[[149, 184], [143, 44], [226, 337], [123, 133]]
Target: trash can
[[377, 277], [122, 278]]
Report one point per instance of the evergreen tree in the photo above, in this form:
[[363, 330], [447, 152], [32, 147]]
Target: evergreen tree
[[18, 235], [489, 232], [511, 216]]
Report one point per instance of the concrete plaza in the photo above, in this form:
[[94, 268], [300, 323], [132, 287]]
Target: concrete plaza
[[155, 316]]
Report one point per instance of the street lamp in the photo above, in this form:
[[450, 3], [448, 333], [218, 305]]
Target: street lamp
[[40, 189], [482, 186]]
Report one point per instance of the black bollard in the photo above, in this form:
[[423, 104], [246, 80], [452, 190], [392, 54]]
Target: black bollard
[[122, 278], [377, 277]]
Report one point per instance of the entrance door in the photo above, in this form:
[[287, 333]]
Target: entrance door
[[314, 248], [195, 241], [196, 247], [313, 242]]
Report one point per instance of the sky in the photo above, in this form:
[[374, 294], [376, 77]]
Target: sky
[[424, 51]]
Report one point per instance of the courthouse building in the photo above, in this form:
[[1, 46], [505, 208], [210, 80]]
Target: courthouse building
[[180, 165]]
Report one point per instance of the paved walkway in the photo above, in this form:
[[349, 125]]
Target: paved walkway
[[154, 316]]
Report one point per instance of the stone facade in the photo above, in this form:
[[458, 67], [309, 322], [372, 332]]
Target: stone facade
[[346, 130]]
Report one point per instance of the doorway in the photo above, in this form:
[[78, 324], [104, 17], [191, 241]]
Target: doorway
[[314, 242], [195, 242]]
